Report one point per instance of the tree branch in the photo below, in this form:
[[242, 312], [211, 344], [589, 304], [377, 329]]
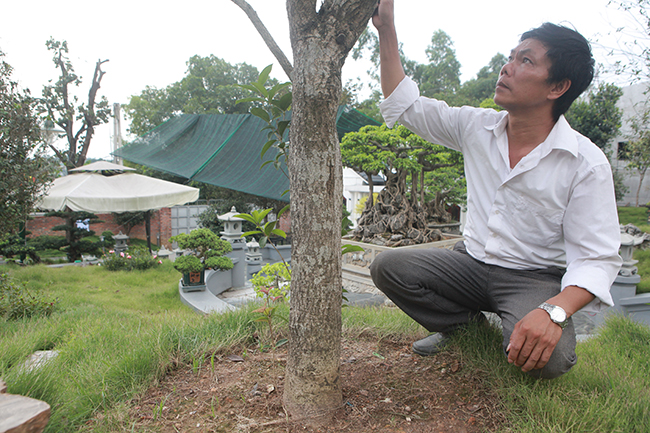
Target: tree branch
[[58, 153], [266, 36], [67, 109], [90, 119]]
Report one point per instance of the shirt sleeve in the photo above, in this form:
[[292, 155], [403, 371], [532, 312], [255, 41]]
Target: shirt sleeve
[[404, 95], [429, 118], [592, 237]]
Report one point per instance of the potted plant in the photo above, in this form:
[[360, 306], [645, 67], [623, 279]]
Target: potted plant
[[206, 251]]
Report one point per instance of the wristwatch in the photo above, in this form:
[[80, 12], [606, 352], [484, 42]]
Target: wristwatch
[[558, 315]]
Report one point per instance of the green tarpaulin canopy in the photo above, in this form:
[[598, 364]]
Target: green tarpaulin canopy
[[222, 150]]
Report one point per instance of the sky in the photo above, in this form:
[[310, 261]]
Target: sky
[[148, 43]]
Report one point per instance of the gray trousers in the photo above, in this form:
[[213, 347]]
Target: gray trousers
[[444, 289]]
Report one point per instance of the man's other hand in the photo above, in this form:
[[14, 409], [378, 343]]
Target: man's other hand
[[533, 340]]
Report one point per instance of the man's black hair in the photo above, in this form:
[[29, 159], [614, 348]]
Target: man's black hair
[[570, 55]]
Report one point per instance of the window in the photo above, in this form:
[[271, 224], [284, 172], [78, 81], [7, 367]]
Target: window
[[621, 154]]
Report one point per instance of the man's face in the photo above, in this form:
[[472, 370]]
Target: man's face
[[523, 83]]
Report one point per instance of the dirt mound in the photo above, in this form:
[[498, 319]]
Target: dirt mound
[[386, 388]]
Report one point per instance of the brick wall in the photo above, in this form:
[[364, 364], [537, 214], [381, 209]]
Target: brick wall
[[160, 226]]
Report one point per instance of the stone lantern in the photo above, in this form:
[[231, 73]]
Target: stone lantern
[[253, 258], [232, 232], [120, 243], [232, 227]]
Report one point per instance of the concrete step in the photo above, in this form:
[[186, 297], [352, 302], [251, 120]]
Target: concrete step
[[638, 307], [204, 302]]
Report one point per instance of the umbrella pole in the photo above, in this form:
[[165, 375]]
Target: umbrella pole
[[147, 225]]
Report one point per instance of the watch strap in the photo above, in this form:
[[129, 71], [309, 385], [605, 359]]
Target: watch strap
[[549, 308]]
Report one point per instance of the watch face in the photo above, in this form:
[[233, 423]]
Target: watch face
[[558, 315]]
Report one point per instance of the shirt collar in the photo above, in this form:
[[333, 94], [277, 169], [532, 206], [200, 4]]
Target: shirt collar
[[562, 136]]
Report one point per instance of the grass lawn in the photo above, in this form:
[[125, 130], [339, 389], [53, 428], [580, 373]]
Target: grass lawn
[[119, 332]]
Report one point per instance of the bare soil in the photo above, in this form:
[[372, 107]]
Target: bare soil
[[386, 388]]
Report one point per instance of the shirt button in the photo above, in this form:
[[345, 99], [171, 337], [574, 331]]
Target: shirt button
[[496, 212]]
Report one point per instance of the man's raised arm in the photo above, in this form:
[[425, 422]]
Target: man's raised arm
[[391, 70]]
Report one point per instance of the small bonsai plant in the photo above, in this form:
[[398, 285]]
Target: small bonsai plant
[[206, 252]]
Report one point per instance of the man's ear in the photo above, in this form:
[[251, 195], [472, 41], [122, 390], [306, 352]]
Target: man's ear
[[558, 89]]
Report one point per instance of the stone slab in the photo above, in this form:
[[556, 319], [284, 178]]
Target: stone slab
[[20, 414]]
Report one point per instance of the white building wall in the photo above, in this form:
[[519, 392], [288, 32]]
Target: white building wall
[[632, 103], [354, 189]]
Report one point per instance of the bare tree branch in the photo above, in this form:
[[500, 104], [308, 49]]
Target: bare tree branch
[[266, 36], [89, 114]]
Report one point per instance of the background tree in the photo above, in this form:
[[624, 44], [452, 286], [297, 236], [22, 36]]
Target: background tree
[[473, 92], [24, 169], [76, 237], [210, 86], [413, 196], [441, 76], [63, 108], [597, 117], [637, 151], [630, 58], [321, 37], [128, 220]]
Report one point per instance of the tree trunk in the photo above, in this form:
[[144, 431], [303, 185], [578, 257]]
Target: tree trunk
[[370, 202], [320, 41], [638, 190], [312, 384]]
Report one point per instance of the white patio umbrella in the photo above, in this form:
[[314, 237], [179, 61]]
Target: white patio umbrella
[[103, 187]]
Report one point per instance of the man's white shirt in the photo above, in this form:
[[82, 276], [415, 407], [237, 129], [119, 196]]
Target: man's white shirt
[[556, 207]]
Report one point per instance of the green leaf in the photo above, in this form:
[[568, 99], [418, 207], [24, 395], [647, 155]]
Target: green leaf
[[262, 241], [281, 342], [347, 248], [270, 161], [246, 217], [261, 89], [268, 228], [261, 113], [284, 102], [283, 210], [280, 86], [259, 215], [280, 233], [267, 146], [282, 126], [250, 233], [248, 87], [264, 75]]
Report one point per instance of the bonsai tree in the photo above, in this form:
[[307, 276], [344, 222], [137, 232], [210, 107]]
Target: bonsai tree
[[206, 252]]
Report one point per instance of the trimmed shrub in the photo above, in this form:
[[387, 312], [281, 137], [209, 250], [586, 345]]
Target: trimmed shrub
[[16, 302], [132, 259]]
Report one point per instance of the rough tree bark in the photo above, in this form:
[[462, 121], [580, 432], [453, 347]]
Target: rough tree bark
[[321, 40]]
